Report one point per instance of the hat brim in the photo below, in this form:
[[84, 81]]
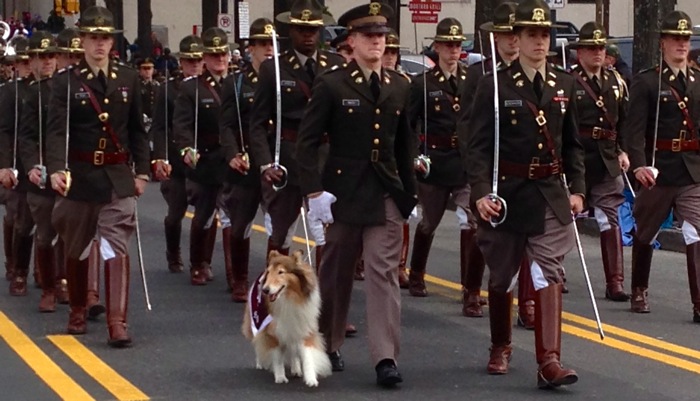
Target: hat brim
[[448, 38], [261, 37], [70, 50], [587, 43], [52, 49], [675, 32], [393, 46], [286, 18], [190, 55], [220, 49], [491, 27], [370, 28], [533, 24], [100, 30]]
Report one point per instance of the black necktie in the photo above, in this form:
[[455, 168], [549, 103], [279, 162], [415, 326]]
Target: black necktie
[[538, 85], [681, 79], [311, 68], [596, 84], [103, 79], [374, 85], [453, 83]]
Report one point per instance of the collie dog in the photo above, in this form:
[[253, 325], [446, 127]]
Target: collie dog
[[281, 320]]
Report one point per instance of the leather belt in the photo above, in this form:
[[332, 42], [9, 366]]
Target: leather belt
[[291, 135], [440, 141], [678, 145], [532, 171], [98, 157], [598, 133]]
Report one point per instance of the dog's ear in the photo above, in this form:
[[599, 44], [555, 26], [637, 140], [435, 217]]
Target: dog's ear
[[273, 254], [298, 256]]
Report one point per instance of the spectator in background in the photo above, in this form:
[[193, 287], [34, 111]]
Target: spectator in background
[[166, 61], [694, 58], [613, 60]]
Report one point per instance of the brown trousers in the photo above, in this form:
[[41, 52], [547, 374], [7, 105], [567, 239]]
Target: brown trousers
[[605, 198], [241, 203], [283, 207], [433, 200], [652, 207], [41, 208], [204, 198]]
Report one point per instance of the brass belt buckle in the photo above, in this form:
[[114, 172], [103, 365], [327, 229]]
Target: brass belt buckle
[[676, 145], [453, 141], [596, 133], [375, 155], [531, 169], [98, 158]]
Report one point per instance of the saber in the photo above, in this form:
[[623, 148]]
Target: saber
[[629, 184], [563, 54], [653, 169], [493, 196], [278, 125], [14, 146], [423, 159], [66, 170], [42, 168], [167, 144], [481, 47], [140, 254], [193, 151], [244, 155], [306, 234]]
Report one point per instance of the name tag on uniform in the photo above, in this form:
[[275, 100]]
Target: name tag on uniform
[[513, 103], [207, 100], [246, 95], [580, 92], [665, 93], [435, 93], [82, 95], [351, 102], [288, 84]]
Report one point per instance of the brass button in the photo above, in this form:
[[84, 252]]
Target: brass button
[[456, 98], [685, 99], [512, 112], [398, 112], [377, 111], [376, 141], [104, 128], [539, 146], [106, 101], [503, 178], [376, 126], [289, 89], [250, 100], [578, 98], [350, 111], [339, 171], [685, 122], [514, 121], [83, 103], [601, 119]]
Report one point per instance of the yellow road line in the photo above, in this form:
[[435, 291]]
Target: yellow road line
[[121, 388], [40, 363]]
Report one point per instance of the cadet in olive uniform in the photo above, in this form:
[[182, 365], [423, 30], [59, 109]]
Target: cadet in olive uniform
[[601, 99], [370, 173], [668, 168], [69, 47], [538, 142], [149, 88], [18, 216], [242, 189], [298, 68], [97, 184], [167, 165], [196, 130]]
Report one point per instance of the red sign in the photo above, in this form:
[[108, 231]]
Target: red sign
[[424, 18]]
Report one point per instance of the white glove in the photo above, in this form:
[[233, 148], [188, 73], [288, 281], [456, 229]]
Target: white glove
[[317, 232], [320, 208], [415, 214]]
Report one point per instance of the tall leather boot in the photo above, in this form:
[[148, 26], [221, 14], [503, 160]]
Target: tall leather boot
[[198, 243], [240, 256], [500, 319], [226, 244], [8, 230], [94, 307], [692, 253], [550, 373], [117, 293], [61, 281], [403, 273], [209, 248], [611, 248], [173, 232], [526, 296], [22, 255], [472, 265], [45, 260], [641, 267], [77, 271], [419, 259], [36, 274]]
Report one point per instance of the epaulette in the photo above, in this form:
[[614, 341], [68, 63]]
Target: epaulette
[[400, 74], [123, 65], [697, 69], [500, 67], [558, 67], [653, 68], [65, 69], [189, 78]]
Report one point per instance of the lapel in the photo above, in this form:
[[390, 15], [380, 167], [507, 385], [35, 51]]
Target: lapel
[[438, 78], [518, 80], [385, 87], [356, 80], [670, 79], [88, 78], [297, 70], [210, 83], [550, 86], [461, 78], [112, 76]]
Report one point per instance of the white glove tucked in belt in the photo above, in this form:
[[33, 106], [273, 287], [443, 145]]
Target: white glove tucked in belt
[[320, 208]]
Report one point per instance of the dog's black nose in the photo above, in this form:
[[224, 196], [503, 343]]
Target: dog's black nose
[[265, 290]]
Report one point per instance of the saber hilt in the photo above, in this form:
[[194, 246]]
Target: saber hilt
[[278, 126], [493, 196]]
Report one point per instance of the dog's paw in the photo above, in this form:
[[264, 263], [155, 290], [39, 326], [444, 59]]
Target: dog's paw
[[296, 369], [281, 379], [311, 381], [258, 366]]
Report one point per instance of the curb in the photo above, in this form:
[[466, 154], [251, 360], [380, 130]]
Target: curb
[[671, 239]]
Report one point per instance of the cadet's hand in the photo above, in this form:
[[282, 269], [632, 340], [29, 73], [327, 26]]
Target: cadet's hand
[[7, 178], [35, 176], [645, 176], [273, 175], [576, 203], [58, 183], [420, 168], [624, 161], [140, 186], [488, 208], [162, 170], [240, 164], [187, 158]]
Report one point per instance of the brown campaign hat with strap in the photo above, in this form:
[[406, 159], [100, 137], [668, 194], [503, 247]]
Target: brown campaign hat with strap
[[68, 41], [261, 29], [591, 34], [305, 13], [449, 30], [534, 13], [191, 47], [677, 23], [42, 42], [97, 20], [503, 18]]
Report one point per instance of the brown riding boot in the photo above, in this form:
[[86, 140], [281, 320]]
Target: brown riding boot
[[198, 244], [641, 267], [500, 319], [228, 268], [611, 248], [240, 256], [7, 235], [61, 282], [472, 265], [548, 339], [526, 296], [209, 248], [173, 232], [94, 307], [403, 273], [45, 260], [77, 271], [22, 254], [419, 259], [692, 253], [117, 293]]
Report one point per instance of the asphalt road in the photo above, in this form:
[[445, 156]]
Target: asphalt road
[[189, 347]]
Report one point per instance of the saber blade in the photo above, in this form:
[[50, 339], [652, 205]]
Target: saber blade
[[140, 255]]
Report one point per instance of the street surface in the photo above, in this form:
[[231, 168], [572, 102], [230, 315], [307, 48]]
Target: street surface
[[189, 347]]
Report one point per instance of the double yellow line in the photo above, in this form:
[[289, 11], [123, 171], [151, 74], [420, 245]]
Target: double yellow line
[[57, 379]]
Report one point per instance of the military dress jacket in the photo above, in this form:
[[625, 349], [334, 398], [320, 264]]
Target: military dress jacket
[[601, 110], [443, 110], [677, 167], [149, 89], [296, 86], [204, 90], [9, 92], [371, 145], [523, 144], [237, 99], [32, 132], [96, 177], [171, 88]]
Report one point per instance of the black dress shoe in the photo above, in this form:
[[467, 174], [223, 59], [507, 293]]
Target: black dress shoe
[[336, 361], [387, 373]]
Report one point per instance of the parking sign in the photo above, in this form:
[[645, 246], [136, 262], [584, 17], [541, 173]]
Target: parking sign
[[556, 3]]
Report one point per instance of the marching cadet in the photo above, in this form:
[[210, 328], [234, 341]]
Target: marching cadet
[[665, 159], [196, 130], [444, 176], [298, 68], [538, 142], [601, 101], [340, 44], [100, 125], [372, 157], [149, 88], [17, 214], [242, 188], [70, 50], [31, 141], [167, 165]]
